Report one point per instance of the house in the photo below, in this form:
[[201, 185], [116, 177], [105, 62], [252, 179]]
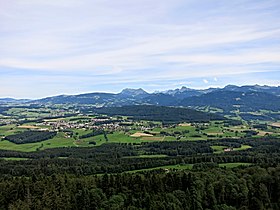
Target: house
[[227, 149]]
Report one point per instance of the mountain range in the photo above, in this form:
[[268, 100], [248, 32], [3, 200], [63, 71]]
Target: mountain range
[[12, 100], [231, 97]]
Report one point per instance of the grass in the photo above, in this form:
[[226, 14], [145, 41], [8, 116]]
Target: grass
[[169, 167], [189, 167], [120, 137], [15, 158], [220, 149], [147, 156], [81, 131], [28, 113], [60, 141], [233, 165], [6, 145], [243, 147], [188, 133], [169, 138], [216, 130], [57, 141], [213, 130], [116, 137], [9, 130]]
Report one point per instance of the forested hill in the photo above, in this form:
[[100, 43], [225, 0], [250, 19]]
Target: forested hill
[[89, 98], [230, 100], [160, 113], [244, 98]]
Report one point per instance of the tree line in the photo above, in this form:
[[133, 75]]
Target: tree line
[[30, 137]]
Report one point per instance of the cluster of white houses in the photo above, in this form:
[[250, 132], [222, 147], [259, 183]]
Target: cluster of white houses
[[92, 124]]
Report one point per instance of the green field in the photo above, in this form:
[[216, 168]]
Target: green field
[[177, 167], [147, 156], [243, 147], [184, 132], [233, 165], [220, 149], [14, 158], [58, 141], [189, 166], [9, 130]]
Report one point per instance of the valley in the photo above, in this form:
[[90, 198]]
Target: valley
[[100, 146], [87, 127]]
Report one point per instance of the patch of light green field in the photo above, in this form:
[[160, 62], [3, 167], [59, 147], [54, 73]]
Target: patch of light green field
[[243, 147], [81, 132], [147, 156], [169, 138], [6, 145], [8, 130], [116, 137], [190, 129], [213, 129], [189, 166], [178, 167], [57, 141], [14, 158], [233, 165], [121, 137], [218, 149]]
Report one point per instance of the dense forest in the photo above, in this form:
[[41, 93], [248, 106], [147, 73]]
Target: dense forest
[[218, 189], [30, 137], [160, 113], [115, 158], [92, 133], [104, 177]]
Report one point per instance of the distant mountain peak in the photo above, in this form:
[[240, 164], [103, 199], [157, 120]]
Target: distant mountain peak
[[177, 90], [231, 86], [130, 96], [184, 88], [133, 92]]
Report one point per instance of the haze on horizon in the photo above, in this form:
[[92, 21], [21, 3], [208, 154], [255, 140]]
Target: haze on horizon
[[68, 46]]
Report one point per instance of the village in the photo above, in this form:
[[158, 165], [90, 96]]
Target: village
[[103, 123]]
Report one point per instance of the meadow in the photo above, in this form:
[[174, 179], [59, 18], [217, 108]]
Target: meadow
[[131, 132], [181, 132]]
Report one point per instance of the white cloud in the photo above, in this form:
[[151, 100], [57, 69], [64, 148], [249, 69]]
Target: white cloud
[[205, 81], [133, 40]]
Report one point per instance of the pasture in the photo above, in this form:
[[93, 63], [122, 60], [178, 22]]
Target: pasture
[[132, 132]]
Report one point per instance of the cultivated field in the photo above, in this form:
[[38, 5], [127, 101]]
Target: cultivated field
[[70, 128]]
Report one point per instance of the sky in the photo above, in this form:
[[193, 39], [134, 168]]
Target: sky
[[76, 46]]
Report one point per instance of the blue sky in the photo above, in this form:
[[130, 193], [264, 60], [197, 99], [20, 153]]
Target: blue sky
[[75, 46]]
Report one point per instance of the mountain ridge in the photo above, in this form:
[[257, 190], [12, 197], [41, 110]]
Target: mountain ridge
[[140, 91], [229, 98]]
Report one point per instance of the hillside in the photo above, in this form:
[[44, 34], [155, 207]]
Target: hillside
[[160, 113], [232, 100], [244, 98]]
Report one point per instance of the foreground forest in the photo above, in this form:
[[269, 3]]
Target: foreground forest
[[241, 188], [119, 176]]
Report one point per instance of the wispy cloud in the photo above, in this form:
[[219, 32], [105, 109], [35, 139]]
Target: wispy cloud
[[205, 81], [127, 41]]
